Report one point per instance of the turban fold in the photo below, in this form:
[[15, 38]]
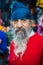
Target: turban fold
[[20, 11]]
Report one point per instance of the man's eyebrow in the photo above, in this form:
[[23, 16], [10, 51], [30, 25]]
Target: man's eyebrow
[[15, 20]]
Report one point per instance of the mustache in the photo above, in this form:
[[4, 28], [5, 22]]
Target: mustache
[[23, 35], [18, 29]]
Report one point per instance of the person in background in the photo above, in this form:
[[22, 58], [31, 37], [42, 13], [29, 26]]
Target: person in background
[[2, 27], [32, 6], [39, 3], [9, 34], [26, 47], [3, 48], [40, 23], [1, 22]]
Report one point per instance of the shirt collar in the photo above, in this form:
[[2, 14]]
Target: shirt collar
[[32, 33]]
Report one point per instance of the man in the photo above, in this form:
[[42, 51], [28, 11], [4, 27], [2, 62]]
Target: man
[[26, 47]]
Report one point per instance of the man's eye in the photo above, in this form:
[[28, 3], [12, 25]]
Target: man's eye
[[15, 20], [23, 19]]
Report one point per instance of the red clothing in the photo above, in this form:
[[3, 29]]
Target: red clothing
[[33, 54]]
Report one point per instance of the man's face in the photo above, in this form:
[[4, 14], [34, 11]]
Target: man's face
[[21, 27]]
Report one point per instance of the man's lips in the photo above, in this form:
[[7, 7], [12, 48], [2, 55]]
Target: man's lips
[[20, 31]]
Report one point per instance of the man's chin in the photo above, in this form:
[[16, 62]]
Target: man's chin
[[21, 36]]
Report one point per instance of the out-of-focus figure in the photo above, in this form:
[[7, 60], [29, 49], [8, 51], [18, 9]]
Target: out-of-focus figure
[[40, 23], [3, 48]]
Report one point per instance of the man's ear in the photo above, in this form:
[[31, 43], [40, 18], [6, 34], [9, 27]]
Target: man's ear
[[32, 22]]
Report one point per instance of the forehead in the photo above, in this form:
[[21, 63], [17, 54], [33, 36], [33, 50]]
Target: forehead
[[21, 20]]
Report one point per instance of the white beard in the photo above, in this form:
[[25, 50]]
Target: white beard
[[20, 42], [21, 46]]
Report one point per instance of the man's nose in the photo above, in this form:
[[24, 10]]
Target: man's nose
[[19, 24]]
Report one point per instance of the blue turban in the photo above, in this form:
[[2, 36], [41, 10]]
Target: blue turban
[[20, 11]]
